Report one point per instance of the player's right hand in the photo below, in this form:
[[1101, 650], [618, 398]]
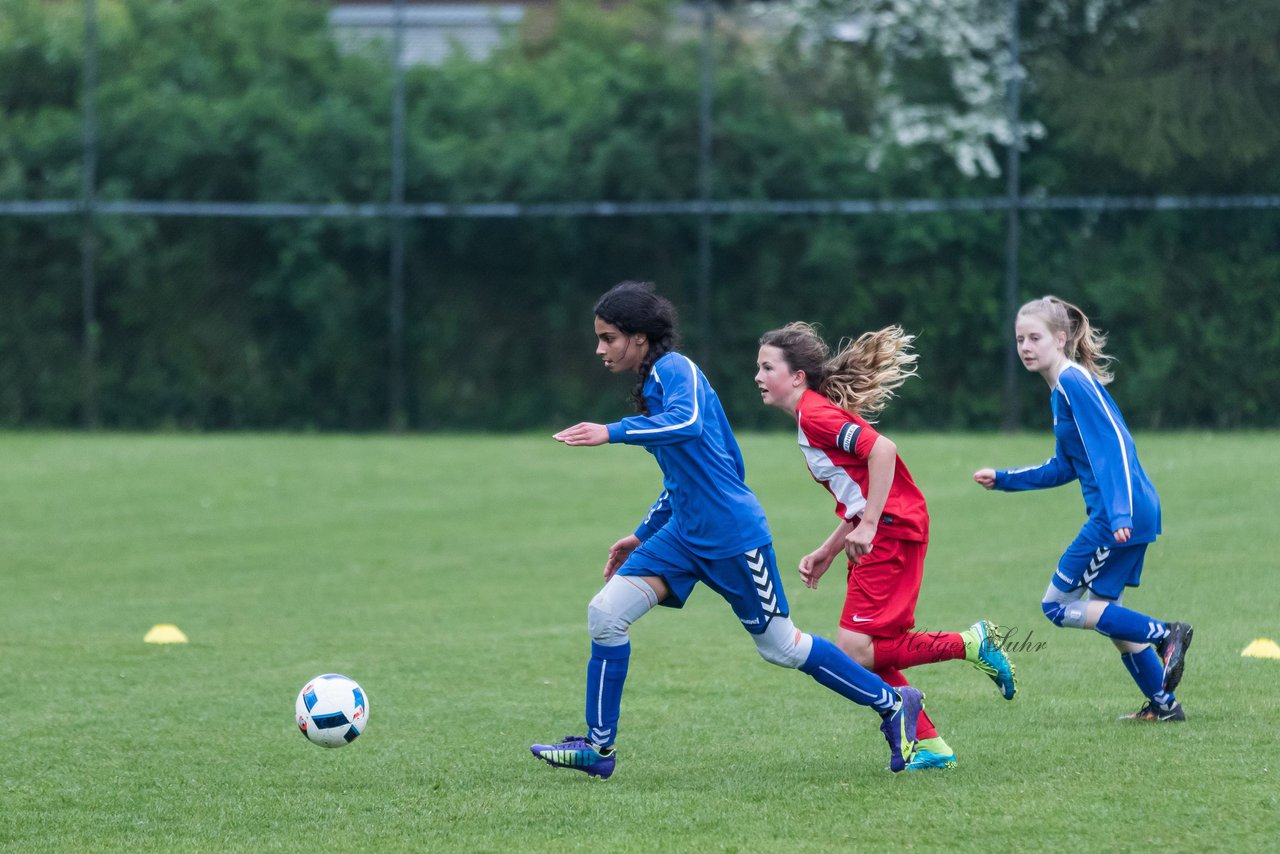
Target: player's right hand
[[586, 434], [813, 566], [618, 554], [986, 478]]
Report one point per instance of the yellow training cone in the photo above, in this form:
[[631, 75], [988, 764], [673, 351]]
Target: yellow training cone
[[1262, 648], [169, 633]]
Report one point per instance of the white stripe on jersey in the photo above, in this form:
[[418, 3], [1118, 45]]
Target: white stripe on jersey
[[842, 486], [657, 505], [1102, 404], [693, 371], [1021, 469]]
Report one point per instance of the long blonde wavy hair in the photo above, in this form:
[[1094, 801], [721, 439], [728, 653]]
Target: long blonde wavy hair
[[863, 374]]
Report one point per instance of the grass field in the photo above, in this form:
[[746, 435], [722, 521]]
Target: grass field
[[450, 576]]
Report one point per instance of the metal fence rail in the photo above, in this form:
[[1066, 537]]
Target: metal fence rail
[[516, 210]]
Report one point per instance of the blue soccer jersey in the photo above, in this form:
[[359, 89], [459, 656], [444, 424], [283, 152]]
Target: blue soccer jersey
[[705, 498], [1093, 445]]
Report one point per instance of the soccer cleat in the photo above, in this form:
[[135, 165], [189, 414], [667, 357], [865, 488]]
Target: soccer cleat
[[576, 752], [1152, 712], [899, 728], [1173, 653], [931, 754], [982, 650]]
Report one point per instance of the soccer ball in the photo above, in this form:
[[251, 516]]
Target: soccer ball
[[332, 710]]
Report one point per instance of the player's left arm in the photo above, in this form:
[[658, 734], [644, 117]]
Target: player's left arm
[[882, 459], [1108, 452]]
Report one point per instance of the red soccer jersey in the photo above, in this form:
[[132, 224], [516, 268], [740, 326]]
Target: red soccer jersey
[[836, 443]]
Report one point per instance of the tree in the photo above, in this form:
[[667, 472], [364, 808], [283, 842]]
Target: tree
[[1180, 91], [941, 71]]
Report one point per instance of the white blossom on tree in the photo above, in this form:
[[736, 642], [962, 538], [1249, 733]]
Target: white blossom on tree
[[970, 39]]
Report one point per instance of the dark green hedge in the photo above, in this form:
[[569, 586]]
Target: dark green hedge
[[219, 323]]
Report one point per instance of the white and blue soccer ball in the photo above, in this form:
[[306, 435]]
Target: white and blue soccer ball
[[332, 710]]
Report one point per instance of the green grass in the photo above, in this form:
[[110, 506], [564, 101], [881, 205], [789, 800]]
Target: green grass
[[450, 576]]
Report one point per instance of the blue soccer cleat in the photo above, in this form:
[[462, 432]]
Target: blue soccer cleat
[[899, 728], [576, 752], [982, 649], [932, 754]]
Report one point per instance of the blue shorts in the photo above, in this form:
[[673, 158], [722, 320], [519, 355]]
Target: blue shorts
[[1105, 571], [749, 582]]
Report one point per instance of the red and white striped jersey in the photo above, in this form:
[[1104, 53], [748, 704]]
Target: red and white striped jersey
[[836, 444]]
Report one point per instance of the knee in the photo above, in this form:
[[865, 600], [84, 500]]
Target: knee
[[619, 603], [781, 656], [1067, 615], [1053, 611], [603, 623], [783, 644]]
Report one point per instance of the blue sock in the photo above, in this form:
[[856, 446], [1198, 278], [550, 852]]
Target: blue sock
[[831, 667], [1148, 671], [1122, 624], [606, 671]]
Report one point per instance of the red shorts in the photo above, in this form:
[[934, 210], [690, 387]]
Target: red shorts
[[883, 588]]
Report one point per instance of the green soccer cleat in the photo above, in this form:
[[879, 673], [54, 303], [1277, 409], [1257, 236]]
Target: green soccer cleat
[[932, 754], [982, 649]]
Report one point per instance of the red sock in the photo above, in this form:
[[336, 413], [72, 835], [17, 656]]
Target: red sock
[[924, 726], [913, 648]]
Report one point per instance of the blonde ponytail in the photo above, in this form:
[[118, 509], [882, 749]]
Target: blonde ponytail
[[1084, 343]]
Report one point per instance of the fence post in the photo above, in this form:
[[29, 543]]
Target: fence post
[[396, 417], [1012, 233], [705, 348], [91, 330]]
